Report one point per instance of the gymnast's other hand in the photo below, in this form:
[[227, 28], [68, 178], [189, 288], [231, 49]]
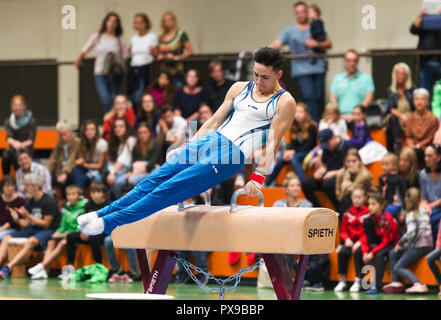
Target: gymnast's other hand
[[252, 189]]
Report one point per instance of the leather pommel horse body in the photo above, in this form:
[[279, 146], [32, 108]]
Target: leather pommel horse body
[[271, 231]]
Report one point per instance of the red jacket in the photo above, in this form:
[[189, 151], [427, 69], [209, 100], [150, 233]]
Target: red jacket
[[386, 228], [352, 224], [107, 125]]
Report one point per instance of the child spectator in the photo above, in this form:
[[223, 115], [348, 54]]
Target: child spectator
[[392, 185], [75, 207], [97, 201], [413, 245], [9, 199], [360, 132], [122, 108], [379, 237], [350, 233], [27, 165], [163, 90], [408, 167], [432, 258], [332, 120], [91, 155], [148, 113], [316, 28]]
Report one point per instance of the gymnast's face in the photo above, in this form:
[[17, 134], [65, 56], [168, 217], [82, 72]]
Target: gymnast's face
[[265, 77]]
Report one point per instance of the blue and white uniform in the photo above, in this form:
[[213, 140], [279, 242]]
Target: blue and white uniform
[[202, 164]]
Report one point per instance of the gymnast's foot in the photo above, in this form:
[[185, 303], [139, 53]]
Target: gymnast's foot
[[86, 218], [93, 228]]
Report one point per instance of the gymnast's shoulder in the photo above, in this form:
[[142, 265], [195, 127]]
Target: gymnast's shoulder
[[286, 101]]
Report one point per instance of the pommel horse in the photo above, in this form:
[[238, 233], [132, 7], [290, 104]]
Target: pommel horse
[[271, 231]]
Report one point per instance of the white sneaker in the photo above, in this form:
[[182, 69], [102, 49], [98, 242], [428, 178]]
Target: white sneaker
[[417, 288], [38, 267], [42, 274], [340, 286], [355, 287]]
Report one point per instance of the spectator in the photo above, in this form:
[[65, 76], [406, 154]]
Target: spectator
[[189, 97], [316, 28], [97, 191], [325, 175], [146, 155], [303, 137], [121, 143], [38, 220], [205, 113], [421, 125], [141, 47], [437, 136], [27, 165], [430, 184], [174, 46], [408, 167], [353, 175], [350, 234], [111, 51], [163, 90], [352, 87], [360, 132], [310, 76], [21, 129], [431, 259], [332, 120], [62, 159], [380, 236], [427, 40], [122, 108], [148, 113], [91, 155], [413, 245], [400, 105], [171, 129], [9, 198], [68, 224], [218, 86]]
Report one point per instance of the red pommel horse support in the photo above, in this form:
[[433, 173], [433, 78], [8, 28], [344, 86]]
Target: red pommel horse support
[[271, 231]]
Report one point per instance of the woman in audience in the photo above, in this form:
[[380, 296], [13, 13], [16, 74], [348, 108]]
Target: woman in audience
[[408, 167], [91, 155], [400, 105], [121, 143], [9, 199], [303, 136], [146, 155], [148, 113], [163, 90], [111, 52], [413, 245], [141, 45], [332, 119], [189, 97], [21, 129], [174, 45], [122, 108], [353, 175]]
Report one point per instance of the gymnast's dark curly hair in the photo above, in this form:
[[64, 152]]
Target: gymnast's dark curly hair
[[270, 57]]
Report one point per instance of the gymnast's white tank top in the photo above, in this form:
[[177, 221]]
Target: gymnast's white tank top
[[248, 123]]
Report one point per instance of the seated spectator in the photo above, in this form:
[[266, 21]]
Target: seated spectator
[[148, 113], [91, 155], [146, 155], [38, 220], [431, 259], [350, 234], [430, 184], [303, 137], [332, 119], [379, 237], [400, 105], [74, 207], [352, 87], [122, 108], [27, 165], [21, 129], [97, 200], [408, 167], [189, 97], [218, 86], [163, 90], [325, 175], [353, 175], [413, 245], [119, 156], [62, 159], [392, 185], [360, 132], [9, 199], [174, 46], [421, 124], [170, 130]]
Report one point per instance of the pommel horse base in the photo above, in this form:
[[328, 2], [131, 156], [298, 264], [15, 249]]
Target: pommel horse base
[[271, 231]]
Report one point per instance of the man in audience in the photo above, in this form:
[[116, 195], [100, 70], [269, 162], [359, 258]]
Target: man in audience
[[170, 129], [352, 87], [62, 159], [26, 165], [38, 220], [218, 86]]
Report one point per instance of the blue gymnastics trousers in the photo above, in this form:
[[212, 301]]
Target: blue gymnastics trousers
[[200, 165]]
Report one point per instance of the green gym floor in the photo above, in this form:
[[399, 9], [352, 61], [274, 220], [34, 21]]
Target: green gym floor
[[55, 289]]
